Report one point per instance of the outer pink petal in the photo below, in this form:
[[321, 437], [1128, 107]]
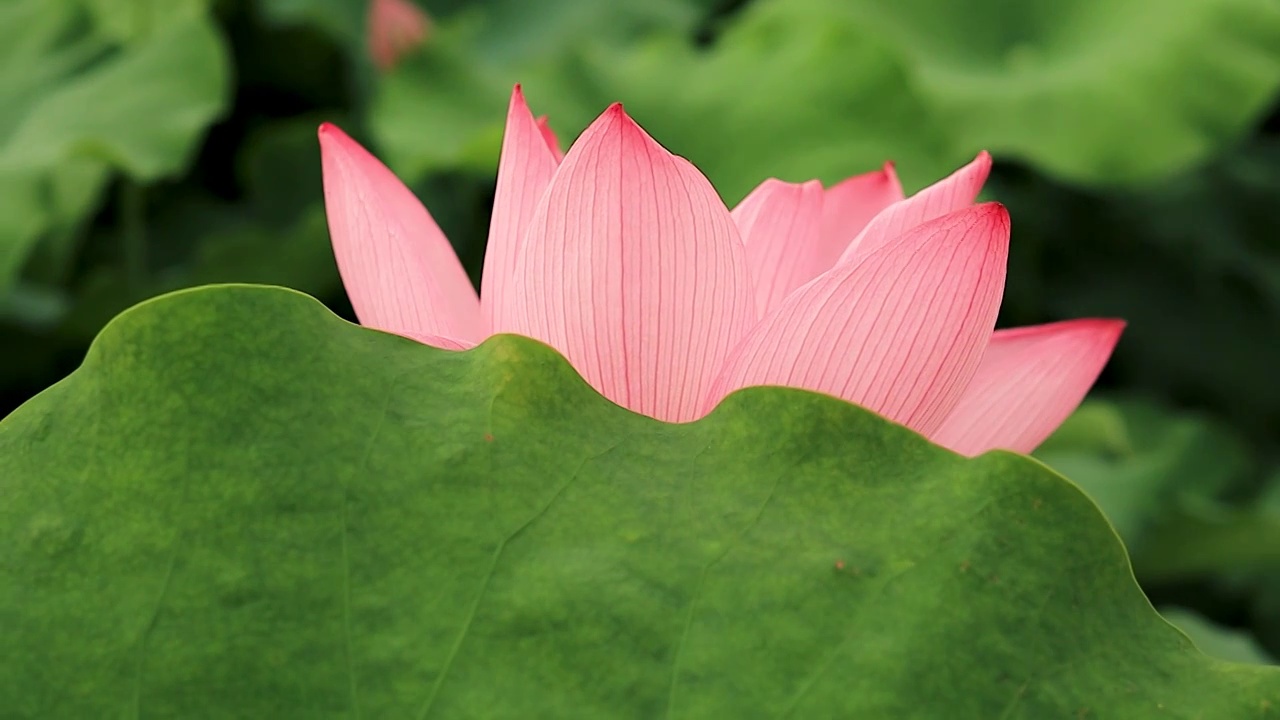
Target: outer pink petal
[[524, 171], [1028, 383], [549, 137], [849, 206], [634, 270], [780, 224], [901, 331], [443, 342], [398, 268], [952, 193]]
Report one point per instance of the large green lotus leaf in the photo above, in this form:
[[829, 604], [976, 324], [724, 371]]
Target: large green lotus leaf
[[88, 87], [826, 88], [242, 506]]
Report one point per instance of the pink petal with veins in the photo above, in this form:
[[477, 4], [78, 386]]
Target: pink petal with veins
[[398, 268], [959, 190], [900, 331], [634, 270], [443, 343], [780, 224], [549, 137], [1030, 380], [524, 171], [848, 206]]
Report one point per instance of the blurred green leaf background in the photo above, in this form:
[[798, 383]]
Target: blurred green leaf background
[[149, 145]]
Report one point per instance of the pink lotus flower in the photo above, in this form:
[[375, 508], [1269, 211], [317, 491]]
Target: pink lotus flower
[[621, 256], [395, 27]]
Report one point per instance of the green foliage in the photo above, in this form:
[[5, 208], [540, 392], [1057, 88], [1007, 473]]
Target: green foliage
[[89, 88], [341, 18], [1218, 641], [243, 506], [278, 236], [805, 88], [1192, 263], [1141, 463], [1098, 93]]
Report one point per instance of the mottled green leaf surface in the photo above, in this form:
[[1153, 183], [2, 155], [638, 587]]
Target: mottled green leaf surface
[[241, 506]]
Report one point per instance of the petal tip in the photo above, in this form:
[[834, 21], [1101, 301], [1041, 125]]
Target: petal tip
[[982, 165], [1097, 326], [517, 97], [1031, 378], [890, 173], [996, 211], [328, 130], [617, 113], [774, 184], [615, 122], [335, 140], [1108, 330]]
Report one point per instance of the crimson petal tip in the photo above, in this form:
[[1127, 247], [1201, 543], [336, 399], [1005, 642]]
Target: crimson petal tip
[[328, 129], [990, 209]]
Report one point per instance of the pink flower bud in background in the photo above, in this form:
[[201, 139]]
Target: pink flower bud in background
[[396, 27]]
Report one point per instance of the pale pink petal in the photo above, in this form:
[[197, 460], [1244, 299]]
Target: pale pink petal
[[549, 137], [1030, 380], [900, 331], [444, 343], [959, 190], [524, 170], [396, 27], [398, 268], [634, 270], [847, 208], [780, 223]]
